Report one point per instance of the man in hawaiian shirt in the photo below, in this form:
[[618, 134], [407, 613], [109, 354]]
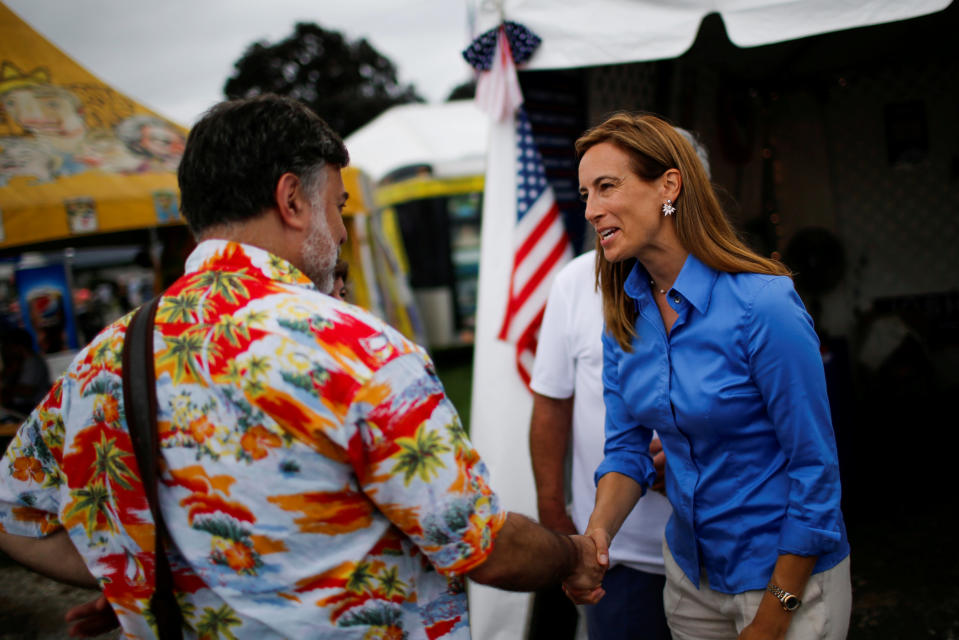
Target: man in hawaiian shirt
[[314, 479]]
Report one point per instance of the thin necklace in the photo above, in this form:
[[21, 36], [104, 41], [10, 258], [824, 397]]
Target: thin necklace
[[653, 285]]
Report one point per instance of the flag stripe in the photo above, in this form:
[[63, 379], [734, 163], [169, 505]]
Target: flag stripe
[[543, 223], [523, 310], [526, 348], [543, 270], [552, 235], [525, 315]]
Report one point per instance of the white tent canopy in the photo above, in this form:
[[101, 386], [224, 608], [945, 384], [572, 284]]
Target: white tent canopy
[[599, 32], [448, 134]]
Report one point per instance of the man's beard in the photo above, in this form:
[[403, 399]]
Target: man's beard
[[320, 253]]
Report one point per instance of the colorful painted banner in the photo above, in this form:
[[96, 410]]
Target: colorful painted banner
[[76, 156]]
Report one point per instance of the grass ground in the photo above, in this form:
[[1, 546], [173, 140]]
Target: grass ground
[[455, 369]]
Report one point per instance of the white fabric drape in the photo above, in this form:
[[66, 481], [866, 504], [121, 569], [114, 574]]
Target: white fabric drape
[[598, 32]]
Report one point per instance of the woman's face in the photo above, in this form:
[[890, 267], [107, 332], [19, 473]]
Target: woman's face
[[624, 209]]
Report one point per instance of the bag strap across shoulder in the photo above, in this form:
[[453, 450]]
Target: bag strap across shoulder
[[140, 403]]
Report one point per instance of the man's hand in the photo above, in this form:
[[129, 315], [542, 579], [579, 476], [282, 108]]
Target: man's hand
[[92, 618], [659, 462], [585, 585], [527, 556]]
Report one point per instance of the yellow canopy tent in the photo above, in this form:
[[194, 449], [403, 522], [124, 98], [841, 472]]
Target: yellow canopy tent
[[76, 156], [378, 265], [79, 160]]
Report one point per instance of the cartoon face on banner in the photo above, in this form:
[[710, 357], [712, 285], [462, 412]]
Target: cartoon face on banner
[[49, 130], [101, 149], [81, 215], [153, 140], [25, 157], [166, 206], [46, 111]]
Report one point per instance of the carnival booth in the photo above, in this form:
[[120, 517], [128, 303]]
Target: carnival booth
[[378, 273], [78, 157], [89, 206], [87, 182], [427, 161], [830, 128]]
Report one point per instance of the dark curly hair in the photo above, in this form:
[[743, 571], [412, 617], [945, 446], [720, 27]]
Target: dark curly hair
[[238, 150]]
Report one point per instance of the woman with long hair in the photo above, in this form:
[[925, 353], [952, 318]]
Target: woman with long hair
[[708, 343]]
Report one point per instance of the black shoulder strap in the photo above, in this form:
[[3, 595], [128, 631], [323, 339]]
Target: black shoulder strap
[[140, 404]]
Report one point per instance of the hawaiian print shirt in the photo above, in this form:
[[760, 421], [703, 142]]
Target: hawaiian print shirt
[[315, 480]]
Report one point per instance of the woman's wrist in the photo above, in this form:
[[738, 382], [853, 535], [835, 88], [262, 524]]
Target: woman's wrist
[[771, 619]]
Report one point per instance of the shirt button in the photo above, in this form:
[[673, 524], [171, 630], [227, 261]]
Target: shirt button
[[676, 299]]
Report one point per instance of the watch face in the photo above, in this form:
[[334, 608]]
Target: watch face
[[791, 603]]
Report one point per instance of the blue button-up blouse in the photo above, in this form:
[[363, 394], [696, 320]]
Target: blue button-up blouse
[[737, 393]]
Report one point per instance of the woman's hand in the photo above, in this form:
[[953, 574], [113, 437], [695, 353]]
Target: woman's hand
[[659, 462], [767, 627], [771, 620], [601, 539]]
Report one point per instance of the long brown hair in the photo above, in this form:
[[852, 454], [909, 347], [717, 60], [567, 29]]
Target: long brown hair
[[654, 147]]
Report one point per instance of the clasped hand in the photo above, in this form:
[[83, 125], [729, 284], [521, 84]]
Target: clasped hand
[[92, 618], [585, 584]]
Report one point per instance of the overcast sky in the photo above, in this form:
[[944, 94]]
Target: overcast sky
[[174, 56]]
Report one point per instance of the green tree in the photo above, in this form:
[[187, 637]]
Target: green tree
[[464, 91], [346, 83]]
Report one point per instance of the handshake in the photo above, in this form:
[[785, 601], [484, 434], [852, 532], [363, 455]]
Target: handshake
[[584, 583], [527, 556]]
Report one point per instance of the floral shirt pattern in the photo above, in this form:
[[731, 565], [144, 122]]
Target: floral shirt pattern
[[315, 480]]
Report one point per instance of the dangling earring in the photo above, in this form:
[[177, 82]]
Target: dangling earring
[[668, 208]]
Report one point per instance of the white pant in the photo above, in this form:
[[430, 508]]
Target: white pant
[[705, 614]]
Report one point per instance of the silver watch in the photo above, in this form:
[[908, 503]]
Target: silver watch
[[789, 601]]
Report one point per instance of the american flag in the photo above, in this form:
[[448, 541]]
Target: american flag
[[540, 243], [540, 248]]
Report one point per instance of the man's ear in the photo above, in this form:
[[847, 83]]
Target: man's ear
[[672, 184], [291, 202]]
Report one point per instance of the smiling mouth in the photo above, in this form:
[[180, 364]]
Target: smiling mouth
[[606, 233]]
